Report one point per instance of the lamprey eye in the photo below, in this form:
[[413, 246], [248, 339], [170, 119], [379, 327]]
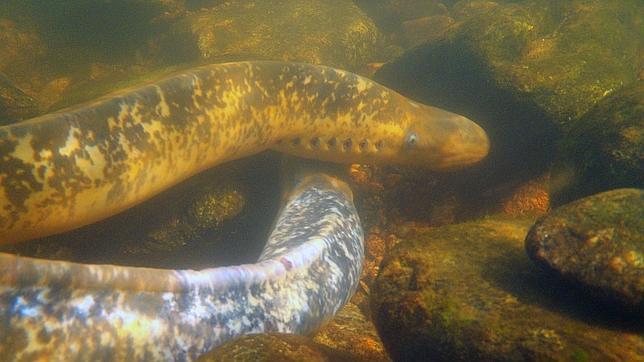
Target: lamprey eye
[[411, 140]]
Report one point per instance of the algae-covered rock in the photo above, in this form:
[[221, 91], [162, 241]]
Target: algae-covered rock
[[565, 56], [268, 348], [605, 149], [390, 14], [334, 33], [426, 29], [203, 212], [598, 242], [469, 292]]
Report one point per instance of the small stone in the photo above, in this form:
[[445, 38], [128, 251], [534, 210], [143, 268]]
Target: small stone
[[598, 243]]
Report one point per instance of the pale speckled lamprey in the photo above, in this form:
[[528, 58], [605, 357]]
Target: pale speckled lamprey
[[309, 268], [71, 168]]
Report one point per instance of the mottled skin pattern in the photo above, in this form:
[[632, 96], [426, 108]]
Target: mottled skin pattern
[[308, 270], [80, 165], [71, 168]]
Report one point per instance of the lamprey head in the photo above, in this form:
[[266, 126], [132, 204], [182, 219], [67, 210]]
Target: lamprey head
[[442, 140]]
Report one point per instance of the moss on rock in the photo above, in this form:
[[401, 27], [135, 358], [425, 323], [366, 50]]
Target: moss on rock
[[469, 292]]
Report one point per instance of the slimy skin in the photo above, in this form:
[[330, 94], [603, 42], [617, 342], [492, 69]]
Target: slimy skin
[[310, 267], [67, 169]]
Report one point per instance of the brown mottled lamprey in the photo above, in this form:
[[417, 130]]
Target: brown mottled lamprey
[[67, 169]]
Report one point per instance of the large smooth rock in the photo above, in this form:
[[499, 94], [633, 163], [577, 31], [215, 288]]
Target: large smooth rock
[[605, 149], [597, 242], [469, 292]]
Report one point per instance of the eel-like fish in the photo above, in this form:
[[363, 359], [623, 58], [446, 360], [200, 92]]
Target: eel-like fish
[[310, 267], [67, 169], [71, 168]]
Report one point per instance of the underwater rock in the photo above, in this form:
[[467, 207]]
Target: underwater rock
[[21, 52], [203, 213], [15, 105], [596, 242], [268, 347], [351, 335], [605, 149], [66, 50], [524, 71], [463, 9], [469, 292], [531, 197], [334, 33], [391, 14], [425, 29]]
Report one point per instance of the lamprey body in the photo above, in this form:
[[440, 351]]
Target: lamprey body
[[310, 267], [67, 169]]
